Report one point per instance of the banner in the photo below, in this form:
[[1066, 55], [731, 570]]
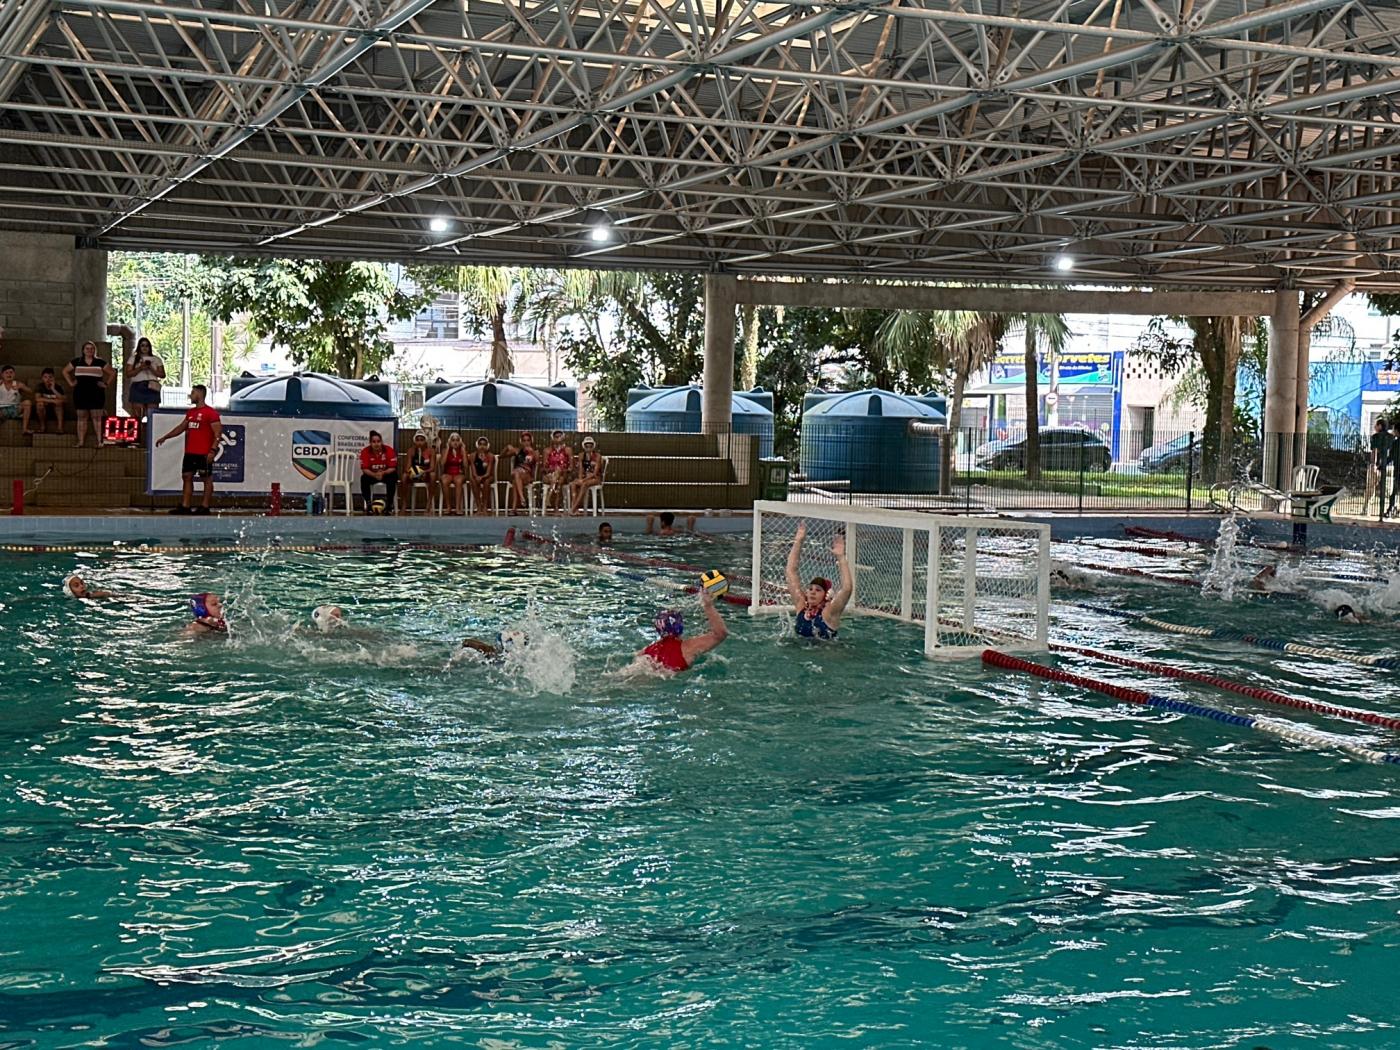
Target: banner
[[1380, 377], [256, 451], [1089, 368]]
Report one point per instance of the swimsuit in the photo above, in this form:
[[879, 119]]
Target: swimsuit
[[556, 459], [481, 464], [814, 627], [587, 461], [420, 463], [524, 460], [668, 653], [454, 463]]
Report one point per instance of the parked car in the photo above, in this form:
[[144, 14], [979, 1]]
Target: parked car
[[1061, 448], [1172, 457]]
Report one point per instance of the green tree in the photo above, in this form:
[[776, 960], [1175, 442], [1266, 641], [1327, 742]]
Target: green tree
[[618, 330], [160, 282], [331, 316], [491, 295], [1051, 333], [957, 341]]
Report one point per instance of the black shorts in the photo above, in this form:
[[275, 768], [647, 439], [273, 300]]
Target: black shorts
[[193, 464]]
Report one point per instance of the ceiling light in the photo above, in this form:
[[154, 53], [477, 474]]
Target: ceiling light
[[602, 229], [1064, 263], [440, 224]]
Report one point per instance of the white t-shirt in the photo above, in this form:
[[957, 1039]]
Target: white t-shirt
[[144, 370], [9, 396]]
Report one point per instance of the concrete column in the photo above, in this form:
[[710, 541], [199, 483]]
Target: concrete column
[[89, 294], [1281, 391], [1300, 398], [716, 412]]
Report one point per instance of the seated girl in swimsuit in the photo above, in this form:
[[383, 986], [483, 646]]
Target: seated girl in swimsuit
[[454, 473], [482, 475], [523, 462], [818, 607]]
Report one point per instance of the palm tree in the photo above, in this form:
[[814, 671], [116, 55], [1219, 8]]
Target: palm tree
[[1051, 332], [957, 341], [491, 293]]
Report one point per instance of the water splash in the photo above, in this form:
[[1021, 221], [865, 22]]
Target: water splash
[[1225, 571]]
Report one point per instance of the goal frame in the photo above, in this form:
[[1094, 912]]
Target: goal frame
[[911, 523]]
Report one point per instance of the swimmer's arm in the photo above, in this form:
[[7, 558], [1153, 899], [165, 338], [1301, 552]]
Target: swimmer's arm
[[651, 522], [718, 632], [837, 605], [794, 582]]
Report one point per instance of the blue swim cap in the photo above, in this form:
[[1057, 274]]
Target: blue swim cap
[[199, 606], [669, 621]]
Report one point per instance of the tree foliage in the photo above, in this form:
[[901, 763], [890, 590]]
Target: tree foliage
[[330, 316], [161, 281]]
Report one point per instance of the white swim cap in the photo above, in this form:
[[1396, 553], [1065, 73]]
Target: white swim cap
[[511, 639], [68, 586], [327, 617]]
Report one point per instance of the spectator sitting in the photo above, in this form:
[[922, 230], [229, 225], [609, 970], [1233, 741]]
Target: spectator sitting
[[664, 524], [146, 370], [522, 470], [48, 397], [454, 471], [88, 376], [483, 473], [379, 464], [15, 397], [558, 463], [591, 465], [422, 465]]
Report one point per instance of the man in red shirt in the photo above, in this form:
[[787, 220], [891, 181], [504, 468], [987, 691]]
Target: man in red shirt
[[379, 465], [202, 431]]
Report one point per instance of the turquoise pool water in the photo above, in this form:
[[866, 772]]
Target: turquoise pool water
[[287, 839]]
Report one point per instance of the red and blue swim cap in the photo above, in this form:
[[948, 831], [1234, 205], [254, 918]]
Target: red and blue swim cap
[[669, 621]]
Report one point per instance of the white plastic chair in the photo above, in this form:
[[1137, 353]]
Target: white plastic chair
[[342, 472], [413, 485], [1305, 478], [594, 497]]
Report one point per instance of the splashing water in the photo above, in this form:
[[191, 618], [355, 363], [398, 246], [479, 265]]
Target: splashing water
[[1225, 571]]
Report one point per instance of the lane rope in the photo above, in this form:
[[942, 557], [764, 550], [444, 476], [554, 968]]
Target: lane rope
[[1270, 726], [1243, 689], [233, 548], [1224, 634]]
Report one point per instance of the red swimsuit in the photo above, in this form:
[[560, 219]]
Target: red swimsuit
[[668, 653]]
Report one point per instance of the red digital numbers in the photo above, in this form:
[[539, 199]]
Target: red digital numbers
[[121, 430]]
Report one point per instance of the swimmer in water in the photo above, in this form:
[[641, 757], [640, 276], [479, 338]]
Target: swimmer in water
[[1266, 579], [670, 651], [506, 642], [328, 617], [1346, 614], [664, 524], [604, 534], [75, 587], [818, 606], [207, 610]]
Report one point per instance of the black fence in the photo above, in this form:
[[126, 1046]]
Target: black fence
[[1075, 470]]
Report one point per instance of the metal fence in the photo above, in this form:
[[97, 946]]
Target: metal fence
[[1078, 471]]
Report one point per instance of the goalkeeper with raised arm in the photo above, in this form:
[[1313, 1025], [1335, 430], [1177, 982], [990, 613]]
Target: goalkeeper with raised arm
[[817, 606]]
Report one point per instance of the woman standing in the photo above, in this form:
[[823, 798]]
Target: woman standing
[[454, 473], [145, 371], [88, 376], [483, 475]]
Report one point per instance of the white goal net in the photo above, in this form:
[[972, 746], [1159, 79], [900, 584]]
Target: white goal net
[[968, 582]]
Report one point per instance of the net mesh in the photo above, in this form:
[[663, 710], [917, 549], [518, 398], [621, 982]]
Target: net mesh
[[988, 573]]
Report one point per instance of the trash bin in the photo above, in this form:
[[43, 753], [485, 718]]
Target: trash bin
[[774, 471]]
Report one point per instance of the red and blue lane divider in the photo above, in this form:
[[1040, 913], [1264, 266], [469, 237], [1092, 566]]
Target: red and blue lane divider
[[1283, 730], [1224, 634], [1254, 692], [613, 570]]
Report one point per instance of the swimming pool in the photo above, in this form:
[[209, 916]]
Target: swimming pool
[[284, 837]]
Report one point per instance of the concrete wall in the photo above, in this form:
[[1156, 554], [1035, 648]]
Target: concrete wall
[[52, 291]]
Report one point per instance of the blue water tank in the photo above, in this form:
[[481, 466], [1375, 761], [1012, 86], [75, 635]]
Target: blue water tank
[[310, 394], [500, 404], [676, 410], [863, 437], [934, 398]]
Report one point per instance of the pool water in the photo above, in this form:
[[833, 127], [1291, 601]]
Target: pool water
[[285, 839]]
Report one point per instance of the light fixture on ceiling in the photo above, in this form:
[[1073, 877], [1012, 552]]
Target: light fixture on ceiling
[[440, 224], [1064, 262], [600, 229]]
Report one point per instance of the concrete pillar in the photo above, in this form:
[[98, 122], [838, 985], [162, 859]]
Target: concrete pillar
[[89, 294], [1281, 392], [1300, 398], [716, 412]]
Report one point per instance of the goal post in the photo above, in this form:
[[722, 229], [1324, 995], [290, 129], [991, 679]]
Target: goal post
[[968, 582]]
